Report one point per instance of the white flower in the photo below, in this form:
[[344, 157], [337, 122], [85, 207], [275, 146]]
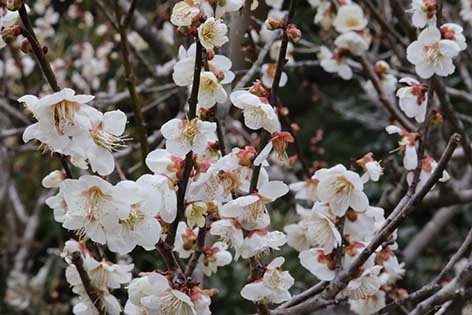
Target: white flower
[[161, 162], [140, 227], [185, 240], [453, 32], [413, 99], [297, 237], [321, 265], [466, 11], [60, 116], [428, 167], [152, 294], [7, 19], [324, 13], [350, 17], [196, 213], [369, 305], [407, 146], [251, 210], [305, 190], [274, 285], [424, 12], [210, 91], [53, 179], [212, 33], [183, 136], [275, 51], [367, 284], [214, 257], [359, 226], [184, 13], [227, 6], [353, 42], [91, 207], [393, 269], [183, 69], [320, 227], [341, 189], [371, 167], [105, 274], [260, 241], [104, 136], [432, 55], [268, 74], [335, 63], [229, 231], [258, 113], [163, 195]]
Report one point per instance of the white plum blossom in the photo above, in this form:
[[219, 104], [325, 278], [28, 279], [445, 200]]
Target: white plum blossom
[[432, 55], [453, 32], [184, 13], [227, 6], [387, 80], [324, 13], [466, 11], [161, 162], [185, 240], [91, 207], [60, 116], [152, 294], [369, 305], [260, 241], [183, 69], [141, 226], [320, 265], [251, 211], [350, 17], [428, 167], [273, 287], [275, 51], [341, 189], [7, 19], [214, 257], [305, 190], [268, 74], [353, 42], [212, 33], [258, 113], [319, 222], [230, 232], [183, 136], [367, 284], [413, 99], [104, 136], [407, 146], [372, 168], [210, 91], [335, 62], [297, 236], [424, 12]]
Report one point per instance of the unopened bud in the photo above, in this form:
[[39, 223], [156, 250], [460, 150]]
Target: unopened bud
[[26, 46], [10, 34], [436, 119], [53, 179], [293, 33], [273, 24], [258, 89], [210, 54], [14, 5], [45, 49], [381, 67]]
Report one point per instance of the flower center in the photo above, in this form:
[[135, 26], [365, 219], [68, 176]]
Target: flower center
[[343, 186], [106, 139], [352, 22], [64, 113], [190, 130], [95, 198], [135, 216], [432, 53]]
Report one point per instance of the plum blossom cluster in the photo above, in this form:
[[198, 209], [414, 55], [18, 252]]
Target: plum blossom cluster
[[68, 125], [331, 234], [354, 39]]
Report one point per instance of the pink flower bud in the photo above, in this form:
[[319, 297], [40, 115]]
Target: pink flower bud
[[293, 33], [273, 24]]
